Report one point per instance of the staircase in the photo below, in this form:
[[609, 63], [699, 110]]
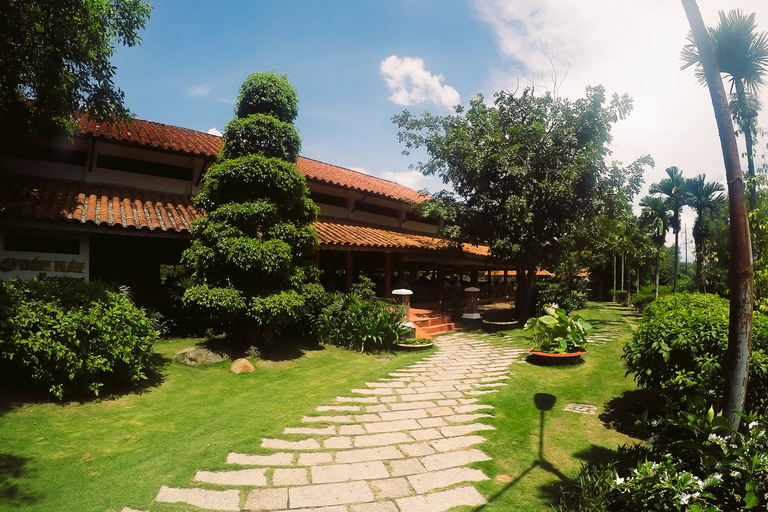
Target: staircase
[[430, 322]]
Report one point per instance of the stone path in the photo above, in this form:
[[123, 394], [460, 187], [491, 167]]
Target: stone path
[[402, 444]]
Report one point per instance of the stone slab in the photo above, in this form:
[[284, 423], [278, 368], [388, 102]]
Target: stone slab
[[403, 415], [416, 449], [203, 498], [375, 391], [253, 477], [368, 454], [462, 430], [417, 397], [425, 434], [383, 506], [405, 467], [311, 459], [276, 459], [463, 409], [452, 459], [426, 482], [289, 476], [391, 384], [281, 444], [334, 473], [327, 431], [466, 418], [390, 426], [338, 442], [329, 494], [440, 501], [360, 399], [339, 408], [433, 422], [376, 408], [327, 419], [402, 406], [385, 439], [390, 488], [267, 499], [456, 443], [351, 430]]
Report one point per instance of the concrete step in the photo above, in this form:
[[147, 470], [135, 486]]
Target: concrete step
[[431, 320], [439, 328]]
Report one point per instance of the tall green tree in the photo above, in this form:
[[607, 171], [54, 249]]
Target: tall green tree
[[706, 199], [741, 54], [55, 60], [673, 188], [526, 172], [656, 219], [252, 254], [736, 366]]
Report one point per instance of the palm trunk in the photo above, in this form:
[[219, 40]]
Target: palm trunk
[[736, 366], [658, 258], [677, 258]]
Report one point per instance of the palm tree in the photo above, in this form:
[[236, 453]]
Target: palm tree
[[742, 54], [656, 219], [673, 188], [704, 198]]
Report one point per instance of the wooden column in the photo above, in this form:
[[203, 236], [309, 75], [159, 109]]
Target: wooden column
[[387, 274], [440, 279]]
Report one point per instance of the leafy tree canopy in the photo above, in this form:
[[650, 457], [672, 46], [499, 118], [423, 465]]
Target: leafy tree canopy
[[55, 59], [528, 172]]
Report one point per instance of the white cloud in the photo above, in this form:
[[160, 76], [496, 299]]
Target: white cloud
[[361, 170], [214, 131], [410, 179], [410, 83], [199, 90]]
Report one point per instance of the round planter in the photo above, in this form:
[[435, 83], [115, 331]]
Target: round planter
[[553, 359], [413, 347], [492, 327]]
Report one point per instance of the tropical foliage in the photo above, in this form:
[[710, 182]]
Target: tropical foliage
[[557, 331]]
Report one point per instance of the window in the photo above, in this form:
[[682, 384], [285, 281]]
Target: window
[[46, 244]]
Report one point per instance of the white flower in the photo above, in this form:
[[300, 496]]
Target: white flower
[[619, 480], [717, 476], [752, 425], [555, 305], [684, 498]]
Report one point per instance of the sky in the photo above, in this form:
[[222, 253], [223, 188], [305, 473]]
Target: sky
[[355, 64]]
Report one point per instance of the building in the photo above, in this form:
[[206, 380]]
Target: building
[[115, 204]]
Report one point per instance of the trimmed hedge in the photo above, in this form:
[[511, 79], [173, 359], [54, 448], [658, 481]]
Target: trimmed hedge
[[69, 337], [680, 347]]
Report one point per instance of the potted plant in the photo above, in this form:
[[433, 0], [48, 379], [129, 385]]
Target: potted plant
[[557, 336], [414, 343]]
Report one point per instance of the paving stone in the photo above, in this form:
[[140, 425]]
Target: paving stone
[[406, 467], [440, 411], [388, 399], [312, 459], [368, 454], [492, 385], [390, 488], [425, 434], [461, 409], [383, 506], [452, 459], [340, 408], [128, 509], [377, 408], [455, 394], [203, 498], [329, 494], [385, 384], [491, 379], [327, 431], [388, 438], [462, 430], [276, 459], [253, 477], [465, 418], [446, 403], [327, 419], [377, 392], [390, 426], [361, 399], [406, 391], [290, 476], [334, 473], [338, 442], [363, 418], [281, 444], [403, 415], [432, 422], [426, 482], [421, 396], [403, 406], [416, 449], [336, 508], [440, 501], [456, 443], [351, 430], [267, 499], [463, 387]]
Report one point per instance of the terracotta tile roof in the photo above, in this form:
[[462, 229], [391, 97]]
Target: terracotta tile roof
[[348, 234], [167, 137], [346, 178], [35, 198], [155, 135]]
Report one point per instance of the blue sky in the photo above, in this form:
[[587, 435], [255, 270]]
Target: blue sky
[[195, 54]]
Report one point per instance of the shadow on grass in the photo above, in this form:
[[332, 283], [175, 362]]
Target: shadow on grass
[[12, 494], [621, 413]]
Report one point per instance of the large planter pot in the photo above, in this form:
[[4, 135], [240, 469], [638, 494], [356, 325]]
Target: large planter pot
[[404, 347], [554, 359], [492, 327]]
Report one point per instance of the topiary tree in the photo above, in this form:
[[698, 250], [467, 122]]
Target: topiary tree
[[252, 253]]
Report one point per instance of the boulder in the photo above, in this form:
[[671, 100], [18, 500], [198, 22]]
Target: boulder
[[242, 366], [193, 356]]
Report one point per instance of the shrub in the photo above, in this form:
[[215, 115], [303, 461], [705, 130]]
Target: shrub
[[558, 332], [556, 293], [680, 345], [641, 300], [357, 321], [71, 337], [696, 463], [620, 296]]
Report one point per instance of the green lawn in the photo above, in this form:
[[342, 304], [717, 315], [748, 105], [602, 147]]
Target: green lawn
[[105, 454]]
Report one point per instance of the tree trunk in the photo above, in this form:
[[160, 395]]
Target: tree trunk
[[741, 272], [656, 287], [677, 258], [525, 280], [613, 292]]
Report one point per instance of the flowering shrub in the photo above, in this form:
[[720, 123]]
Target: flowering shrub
[[696, 463]]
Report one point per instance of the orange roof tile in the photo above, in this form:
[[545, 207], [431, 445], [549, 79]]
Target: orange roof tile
[[35, 198], [340, 233], [174, 138]]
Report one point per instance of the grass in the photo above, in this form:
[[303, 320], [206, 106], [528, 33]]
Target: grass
[[104, 454]]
